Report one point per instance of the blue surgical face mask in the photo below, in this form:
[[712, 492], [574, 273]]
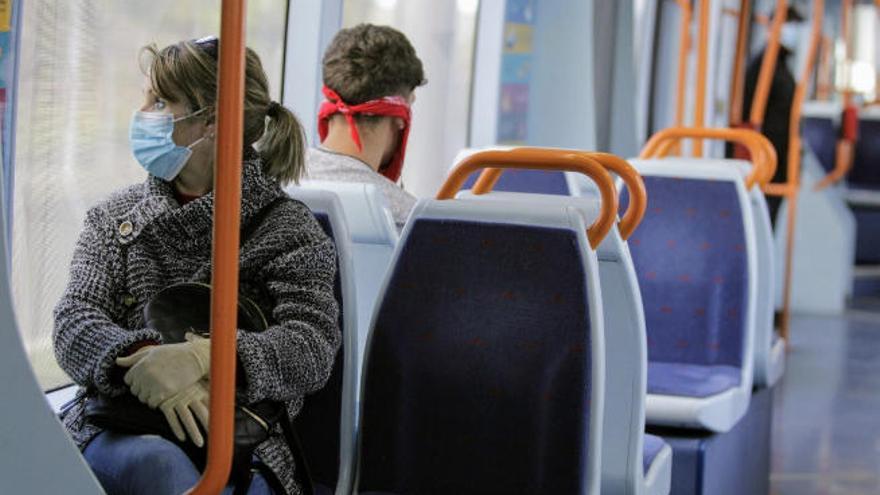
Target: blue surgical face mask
[[152, 144], [790, 36]]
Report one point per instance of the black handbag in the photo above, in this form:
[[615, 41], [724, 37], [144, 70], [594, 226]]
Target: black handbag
[[174, 311]]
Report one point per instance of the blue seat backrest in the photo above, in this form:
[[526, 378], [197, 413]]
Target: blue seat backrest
[[478, 368], [528, 181], [820, 134], [690, 256], [317, 424], [866, 162]]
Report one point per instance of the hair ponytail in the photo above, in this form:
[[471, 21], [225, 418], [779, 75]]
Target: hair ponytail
[[187, 72], [282, 146]]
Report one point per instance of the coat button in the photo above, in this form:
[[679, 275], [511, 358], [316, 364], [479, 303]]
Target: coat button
[[128, 300], [125, 228]]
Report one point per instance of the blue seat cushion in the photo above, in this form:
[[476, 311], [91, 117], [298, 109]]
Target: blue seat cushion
[[652, 446], [691, 380], [690, 255]]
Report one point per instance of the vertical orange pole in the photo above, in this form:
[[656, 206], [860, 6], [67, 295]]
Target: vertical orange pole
[[768, 67], [702, 61], [739, 62], [794, 161], [823, 78], [683, 49], [227, 211]]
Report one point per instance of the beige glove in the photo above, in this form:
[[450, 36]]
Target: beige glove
[[201, 346], [166, 370], [136, 356], [183, 408]]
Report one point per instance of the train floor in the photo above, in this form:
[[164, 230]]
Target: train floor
[[826, 423]]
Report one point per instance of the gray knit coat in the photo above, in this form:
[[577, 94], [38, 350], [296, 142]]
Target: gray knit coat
[[141, 240]]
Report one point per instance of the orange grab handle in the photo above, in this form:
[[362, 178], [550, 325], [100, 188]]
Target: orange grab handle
[[768, 67], [844, 149], [765, 167], [739, 62], [638, 194], [540, 159], [227, 204], [762, 151]]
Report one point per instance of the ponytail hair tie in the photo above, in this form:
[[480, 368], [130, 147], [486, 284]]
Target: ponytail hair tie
[[273, 109]]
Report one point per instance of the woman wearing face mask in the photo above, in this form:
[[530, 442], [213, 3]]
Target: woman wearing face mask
[[370, 75], [157, 233], [776, 118]]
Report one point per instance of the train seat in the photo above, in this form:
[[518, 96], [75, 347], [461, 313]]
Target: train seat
[[769, 348], [326, 423], [656, 466], [819, 130], [769, 345], [484, 370], [863, 194], [373, 238], [696, 258], [623, 448]]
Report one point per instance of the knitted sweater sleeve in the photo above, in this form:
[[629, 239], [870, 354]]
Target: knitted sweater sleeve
[[294, 356], [86, 338]]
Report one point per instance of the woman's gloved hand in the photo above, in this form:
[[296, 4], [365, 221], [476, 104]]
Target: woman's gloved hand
[[166, 370], [182, 410]]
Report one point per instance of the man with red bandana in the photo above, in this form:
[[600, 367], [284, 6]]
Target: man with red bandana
[[370, 75]]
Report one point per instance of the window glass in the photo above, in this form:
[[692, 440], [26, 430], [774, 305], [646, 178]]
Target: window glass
[[443, 34], [79, 83], [857, 72]]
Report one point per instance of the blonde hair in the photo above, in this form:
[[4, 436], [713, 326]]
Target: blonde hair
[[186, 72]]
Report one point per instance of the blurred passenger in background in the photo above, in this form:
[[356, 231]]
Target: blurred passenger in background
[[778, 113]]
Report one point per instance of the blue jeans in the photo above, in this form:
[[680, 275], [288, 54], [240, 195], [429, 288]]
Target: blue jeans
[[148, 464]]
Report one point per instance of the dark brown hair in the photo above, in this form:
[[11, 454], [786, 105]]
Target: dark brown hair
[[366, 62], [188, 71]]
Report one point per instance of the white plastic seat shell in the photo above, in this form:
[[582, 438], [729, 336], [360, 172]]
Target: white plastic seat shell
[[721, 411]]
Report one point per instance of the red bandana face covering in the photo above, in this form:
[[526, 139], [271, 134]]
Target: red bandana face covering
[[389, 106]]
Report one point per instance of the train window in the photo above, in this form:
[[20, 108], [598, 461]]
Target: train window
[[443, 34], [79, 83], [858, 73]]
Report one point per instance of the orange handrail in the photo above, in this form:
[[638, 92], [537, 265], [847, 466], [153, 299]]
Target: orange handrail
[[843, 159], [823, 78], [739, 62], [765, 161], [638, 194], [638, 202], [542, 159], [227, 204], [702, 61], [791, 187], [762, 153], [844, 148], [768, 67]]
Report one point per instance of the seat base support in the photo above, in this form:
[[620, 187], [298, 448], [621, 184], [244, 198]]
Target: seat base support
[[734, 462]]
